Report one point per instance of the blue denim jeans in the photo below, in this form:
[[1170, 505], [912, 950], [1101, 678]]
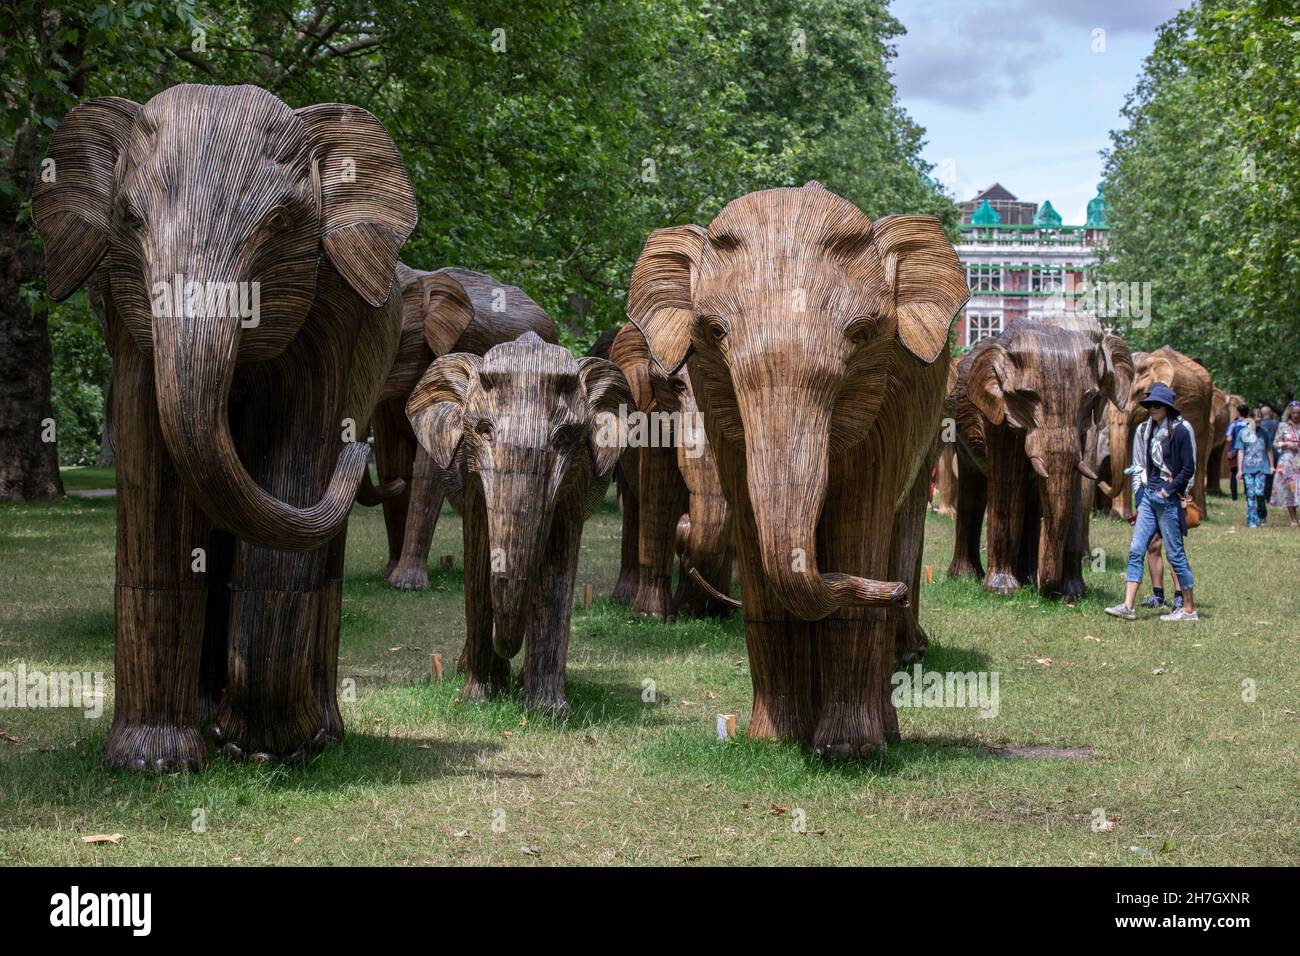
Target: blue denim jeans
[[1158, 514]]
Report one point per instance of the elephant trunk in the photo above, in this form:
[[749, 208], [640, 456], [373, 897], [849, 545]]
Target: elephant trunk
[[1055, 455], [194, 364], [787, 487], [519, 513]]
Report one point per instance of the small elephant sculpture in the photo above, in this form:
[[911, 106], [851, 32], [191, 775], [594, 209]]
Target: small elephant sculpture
[[1025, 403], [1191, 383], [670, 495], [251, 250], [817, 342], [1216, 467], [449, 310], [527, 438]]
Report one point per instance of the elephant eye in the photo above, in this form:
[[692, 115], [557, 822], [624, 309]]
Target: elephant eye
[[484, 428], [131, 214], [568, 435], [714, 328], [277, 220], [859, 330]]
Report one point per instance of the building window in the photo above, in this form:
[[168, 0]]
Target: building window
[[1046, 279], [984, 278], [981, 325]]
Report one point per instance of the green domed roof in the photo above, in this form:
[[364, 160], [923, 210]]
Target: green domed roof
[[985, 215], [1046, 215], [1097, 210]]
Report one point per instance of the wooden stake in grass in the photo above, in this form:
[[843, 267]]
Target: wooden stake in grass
[[929, 574], [447, 562], [726, 726], [586, 595], [437, 667]]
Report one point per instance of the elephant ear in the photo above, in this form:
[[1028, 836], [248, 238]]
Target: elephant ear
[[1116, 377], [436, 408], [440, 304], [659, 301], [988, 388], [606, 390], [367, 205], [927, 278], [73, 206]]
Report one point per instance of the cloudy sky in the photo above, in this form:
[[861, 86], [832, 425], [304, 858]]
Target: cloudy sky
[[1013, 91]]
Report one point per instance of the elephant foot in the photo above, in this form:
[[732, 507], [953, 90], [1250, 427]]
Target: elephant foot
[[1073, 588], [1001, 583], [654, 599], [390, 567], [154, 748], [624, 589], [947, 511], [964, 569], [549, 703], [283, 742], [409, 576], [493, 684], [847, 731]]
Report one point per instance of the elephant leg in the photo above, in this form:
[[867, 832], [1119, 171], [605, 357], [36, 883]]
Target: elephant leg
[[425, 494], [216, 626], [1030, 524], [394, 458], [486, 674], [161, 595], [663, 501], [1077, 545], [1008, 487], [547, 646], [271, 708], [326, 664], [972, 499], [854, 648], [629, 568], [911, 641]]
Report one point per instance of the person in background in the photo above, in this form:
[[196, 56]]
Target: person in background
[[1243, 416], [1268, 425], [1286, 450], [1254, 463], [1164, 452]]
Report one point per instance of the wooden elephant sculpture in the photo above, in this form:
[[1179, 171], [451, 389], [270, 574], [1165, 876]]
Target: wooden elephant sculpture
[[1191, 383], [449, 310], [1024, 403], [251, 251], [1216, 467], [817, 341], [523, 436], [946, 470], [670, 495]]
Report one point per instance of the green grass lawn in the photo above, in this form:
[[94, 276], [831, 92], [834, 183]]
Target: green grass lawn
[[1184, 770]]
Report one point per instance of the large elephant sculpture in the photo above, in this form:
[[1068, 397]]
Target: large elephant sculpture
[[251, 250], [524, 437], [1191, 383], [670, 495], [449, 310], [817, 341], [1026, 404]]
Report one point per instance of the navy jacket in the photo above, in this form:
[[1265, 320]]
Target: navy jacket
[[1177, 450]]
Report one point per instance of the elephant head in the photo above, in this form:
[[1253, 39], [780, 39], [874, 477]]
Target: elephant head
[[528, 427], [215, 208], [800, 313], [1053, 386]]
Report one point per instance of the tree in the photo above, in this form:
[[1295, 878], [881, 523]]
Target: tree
[[1203, 185]]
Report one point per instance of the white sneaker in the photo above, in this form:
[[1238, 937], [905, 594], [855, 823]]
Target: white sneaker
[[1180, 615]]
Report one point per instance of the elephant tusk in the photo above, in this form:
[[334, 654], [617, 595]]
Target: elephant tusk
[[1106, 489], [369, 496], [1084, 470], [713, 592], [1039, 468]]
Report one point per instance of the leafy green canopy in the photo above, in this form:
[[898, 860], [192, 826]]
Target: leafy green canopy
[[545, 139], [1204, 186]]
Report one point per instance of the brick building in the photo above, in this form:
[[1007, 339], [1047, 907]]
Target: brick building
[[1021, 261]]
